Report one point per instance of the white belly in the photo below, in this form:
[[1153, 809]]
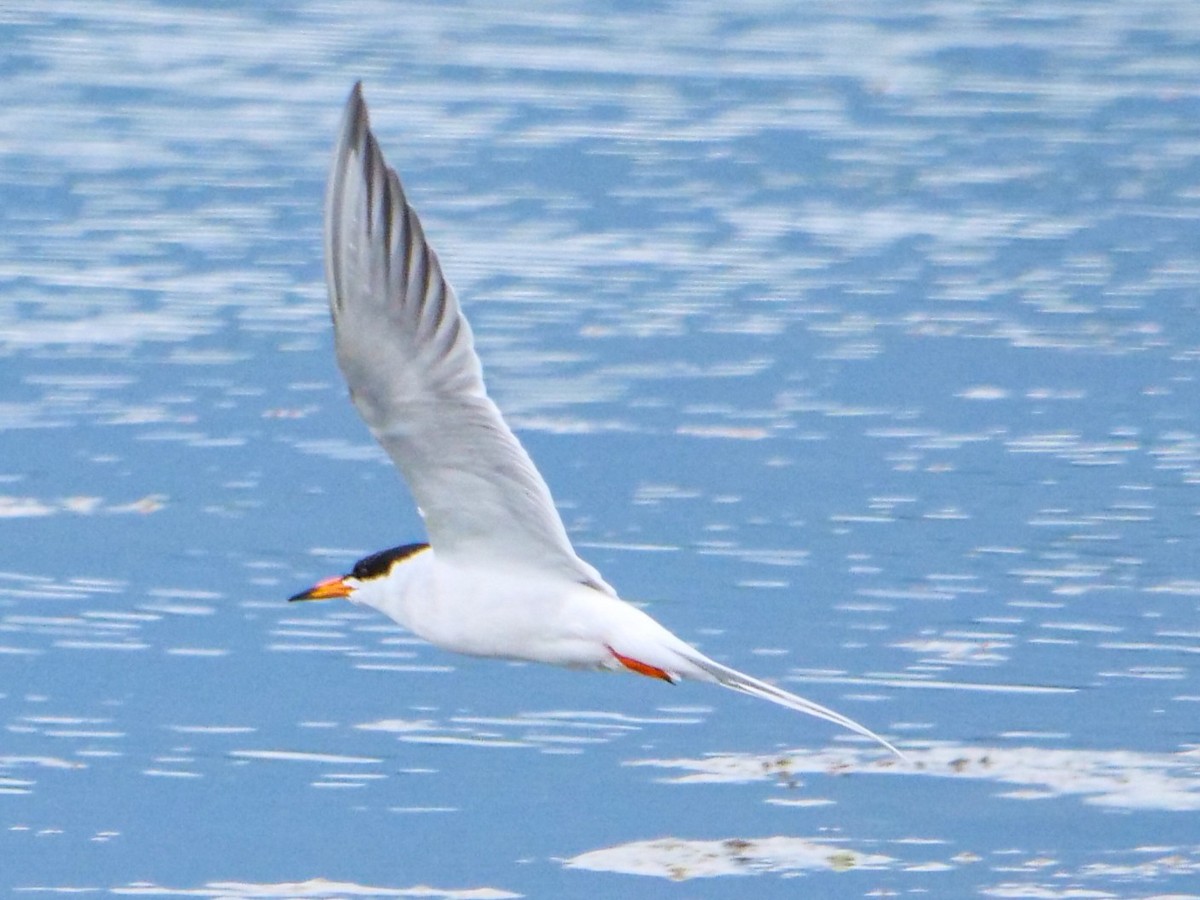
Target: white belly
[[513, 615]]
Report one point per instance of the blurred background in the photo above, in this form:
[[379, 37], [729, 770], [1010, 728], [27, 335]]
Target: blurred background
[[859, 342]]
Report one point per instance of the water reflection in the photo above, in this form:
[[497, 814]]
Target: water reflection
[[1119, 779], [316, 887], [1014, 872], [1123, 780], [862, 345], [683, 860]]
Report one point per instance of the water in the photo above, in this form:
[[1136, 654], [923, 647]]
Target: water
[[860, 344]]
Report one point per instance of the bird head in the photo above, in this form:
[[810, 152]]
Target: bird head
[[366, 578]]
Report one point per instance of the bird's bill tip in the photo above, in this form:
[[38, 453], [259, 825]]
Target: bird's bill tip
[[329, 589]]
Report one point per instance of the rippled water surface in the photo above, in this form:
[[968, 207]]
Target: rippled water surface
[[859, 341]]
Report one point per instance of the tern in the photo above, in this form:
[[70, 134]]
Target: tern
[[498, 576]]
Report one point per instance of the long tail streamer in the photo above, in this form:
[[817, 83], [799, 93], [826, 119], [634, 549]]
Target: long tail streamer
[[739, 681]]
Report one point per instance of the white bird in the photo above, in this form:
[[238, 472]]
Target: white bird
[[498, 577]]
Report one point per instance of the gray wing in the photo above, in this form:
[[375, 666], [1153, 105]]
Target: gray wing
[[408, 356]]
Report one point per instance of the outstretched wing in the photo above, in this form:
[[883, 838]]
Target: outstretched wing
[[408, 356]]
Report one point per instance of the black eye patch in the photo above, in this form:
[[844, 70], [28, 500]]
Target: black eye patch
[[379, 564]]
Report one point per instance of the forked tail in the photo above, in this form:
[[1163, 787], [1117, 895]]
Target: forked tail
[[738, 681]]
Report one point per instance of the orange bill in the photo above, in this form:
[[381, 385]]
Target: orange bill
[[329, 589]]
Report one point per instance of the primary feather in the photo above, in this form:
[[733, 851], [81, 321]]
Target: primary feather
[[409, 358]]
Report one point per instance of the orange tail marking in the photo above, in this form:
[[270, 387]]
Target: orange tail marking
[[636, 665]]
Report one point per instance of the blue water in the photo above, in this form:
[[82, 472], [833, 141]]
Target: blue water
[[860, 343]]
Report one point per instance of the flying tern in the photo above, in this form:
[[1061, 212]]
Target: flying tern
[[498, 576]]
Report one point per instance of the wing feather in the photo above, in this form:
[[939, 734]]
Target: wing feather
[[409, 359]]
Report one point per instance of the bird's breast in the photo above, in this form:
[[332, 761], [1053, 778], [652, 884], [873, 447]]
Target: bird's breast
[[513, 614]]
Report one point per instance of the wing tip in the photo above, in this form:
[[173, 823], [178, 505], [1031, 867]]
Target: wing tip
[[356, 120], [353, 141], [356, 100]]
